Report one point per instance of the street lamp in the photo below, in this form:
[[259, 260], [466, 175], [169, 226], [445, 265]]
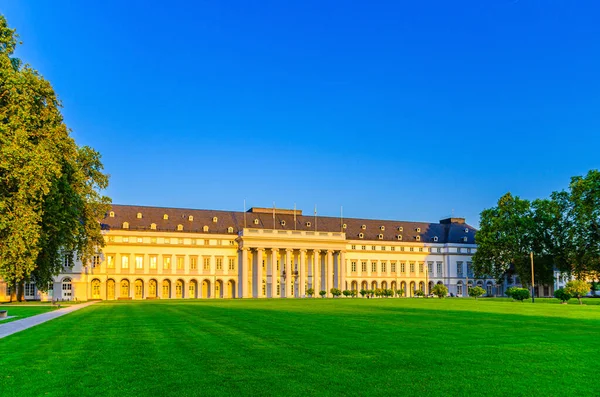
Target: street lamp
[[532, 279]]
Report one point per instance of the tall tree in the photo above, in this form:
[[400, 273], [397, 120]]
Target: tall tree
[[50, 189]]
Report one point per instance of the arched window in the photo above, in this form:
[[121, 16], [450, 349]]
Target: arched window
[[166, 217], [229, 229], [205, 228], [179, 227], [125, 225], [139, 215]]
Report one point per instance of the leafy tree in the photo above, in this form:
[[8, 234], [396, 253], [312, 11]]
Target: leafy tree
[[50, 200], [440, 290], [520, 294], [577, 289], [509, 291], [563, 295], [400, 292], [346, 293], [353, 293], [310, 292], [363, 292], [585, 215], [476, 292], [378, 292], [322, 293], [335, 292], [419, 293]]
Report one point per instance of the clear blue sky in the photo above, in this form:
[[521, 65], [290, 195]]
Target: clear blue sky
[[395, 110]]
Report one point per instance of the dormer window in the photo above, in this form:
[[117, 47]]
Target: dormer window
[[380, 236], [363, 227], [400, 229], [418, 238], [256, 221], [191, 218], [344, 226], [139, 215], [361, 235], [282, 223], [399, 237], [153, 226], [435, 239], [166, 217], [464, 239], [125, 225], [111, 214], [205, 228], [382, 228], [179, 227], [230, 229], [418, 230], [215, 219], [308, 224], [466, 230]]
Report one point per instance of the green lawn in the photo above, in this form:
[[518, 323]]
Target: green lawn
[[21, 311], [391, 347]]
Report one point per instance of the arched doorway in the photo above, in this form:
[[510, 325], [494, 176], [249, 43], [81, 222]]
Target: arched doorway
[[384, 285], [413, 288], [110, 289], [430, 286], [394, 286], [374, 285], [231, 289], [206, 289], [219, 289], [489, 289], [124, 291], [95, 289], [192, 289], [138, 288], [67, 289], [354, 286], [364, 285], [166, 289], [459, 288], [422, 286], [179, 289], [403, 288], [152, 289]]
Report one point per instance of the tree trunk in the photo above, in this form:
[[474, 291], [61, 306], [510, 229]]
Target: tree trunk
[[13, 293], [21, 291]]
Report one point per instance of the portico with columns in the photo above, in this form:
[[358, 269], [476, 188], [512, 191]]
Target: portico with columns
[[286, 263]]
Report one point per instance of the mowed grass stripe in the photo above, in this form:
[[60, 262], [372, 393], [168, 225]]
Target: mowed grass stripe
[[308, 347]]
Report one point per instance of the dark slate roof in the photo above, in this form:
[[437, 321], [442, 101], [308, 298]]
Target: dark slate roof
[[446, 232]]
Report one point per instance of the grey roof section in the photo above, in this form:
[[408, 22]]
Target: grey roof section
[[445, 233]]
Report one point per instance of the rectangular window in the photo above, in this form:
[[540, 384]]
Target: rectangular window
[[140, 240], [96, 260], [193, 263], [420, 267], [373, 248], [354, 247], [194, 241], [393, 267], [219, 242], [459, 289], [459, 250], [167, 262], [459, 269], [167, 240], [470, 270], [468, 250], [152, 240], [383, 247], [363, 266], [430, 268], [439, 269], [125, 239], [420, 249], [231, 242], [206, 242], [206, 264], [403, 267], [401, 248], [180, 263], [373, 267], [412, 267], [392, 248], [353, 264], [411, 249], [220, 264], [139, 262], [124, 262], [231, 263], [383, 267], [153, 261], [179, 241], [110, 261], [363, 247]]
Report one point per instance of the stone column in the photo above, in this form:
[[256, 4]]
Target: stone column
[[343, 270], [329, 273], [243, 274], [259, 273], [302, 274], [274, 273], [317, 272], [288, 273]]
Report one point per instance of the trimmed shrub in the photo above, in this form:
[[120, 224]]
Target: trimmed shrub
[[440, 290], [310, 292], [520, 294], [563, 295], [322, 293], [419, 293], [476, 292]]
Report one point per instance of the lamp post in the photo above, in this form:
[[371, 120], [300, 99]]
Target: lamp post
[[532, 279]]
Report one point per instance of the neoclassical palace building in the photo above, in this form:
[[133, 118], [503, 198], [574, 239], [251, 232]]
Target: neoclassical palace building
[[166, 253]]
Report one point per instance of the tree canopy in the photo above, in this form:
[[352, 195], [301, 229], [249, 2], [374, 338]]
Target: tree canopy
[[562, 231], [51, 200]]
